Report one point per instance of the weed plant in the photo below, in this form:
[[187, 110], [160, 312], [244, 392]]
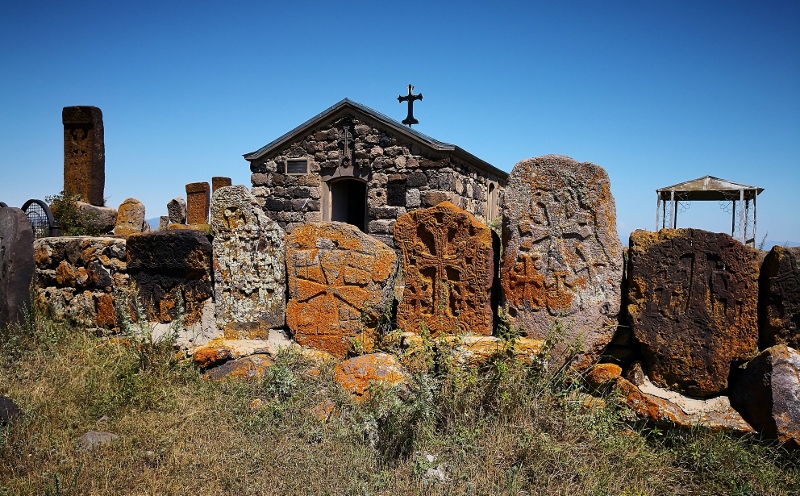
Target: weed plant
[[504, 428]]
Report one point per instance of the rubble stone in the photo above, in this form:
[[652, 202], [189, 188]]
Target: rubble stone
[[16, 264], [130, 218], [76, 278], [97, 218], [562, 259], [448, 264], [357, 374], [692, 298], [249, 265], [170, 265], [779, 298], [340, 284], [84, 153], [767, 393]]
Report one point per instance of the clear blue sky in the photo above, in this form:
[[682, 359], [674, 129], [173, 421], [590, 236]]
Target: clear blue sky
[[655, 92]]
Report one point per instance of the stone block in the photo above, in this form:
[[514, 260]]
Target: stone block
[[340, 285], [198, 203], [16, 264], [218, 182], [692, 299], [168, 265], [84, 153], [249, 264], [130, 218], [767, 393], [779, 298], [433, 198], [562, 259], [448, 263], [176, 209]]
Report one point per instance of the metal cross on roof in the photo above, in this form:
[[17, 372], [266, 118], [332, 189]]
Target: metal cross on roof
[[410, 99]]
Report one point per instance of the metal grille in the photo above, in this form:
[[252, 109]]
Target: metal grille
[[41, 219]]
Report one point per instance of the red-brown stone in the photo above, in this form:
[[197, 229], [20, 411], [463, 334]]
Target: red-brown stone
[[448, 264], [357, 374], [340, 284], [692, 299], [84, 153], [198, 203]]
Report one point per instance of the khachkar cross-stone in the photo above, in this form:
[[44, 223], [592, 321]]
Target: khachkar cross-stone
[[410, 99]]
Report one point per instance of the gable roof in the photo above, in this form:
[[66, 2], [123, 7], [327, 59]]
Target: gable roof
[[347, 104], [709, 188]]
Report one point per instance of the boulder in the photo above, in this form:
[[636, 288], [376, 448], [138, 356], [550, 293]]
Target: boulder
[[767, 393], [130, 218], [249, 265], [340, 286], [779, 298], [562, 260], [16, 264], [166, 266], [692, 298], [9, 411], [448, 265], [248, 367], [357, 374]]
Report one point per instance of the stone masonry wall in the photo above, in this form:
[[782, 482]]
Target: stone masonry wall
[[400, 177]]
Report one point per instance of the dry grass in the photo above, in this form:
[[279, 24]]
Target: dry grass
[[504, 430]]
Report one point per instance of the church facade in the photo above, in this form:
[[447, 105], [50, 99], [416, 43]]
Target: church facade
[[353, 164]]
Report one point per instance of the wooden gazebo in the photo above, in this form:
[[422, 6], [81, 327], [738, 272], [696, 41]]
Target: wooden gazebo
[[711, 188]]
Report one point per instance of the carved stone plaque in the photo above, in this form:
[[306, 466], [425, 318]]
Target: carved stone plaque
[[448, 266]]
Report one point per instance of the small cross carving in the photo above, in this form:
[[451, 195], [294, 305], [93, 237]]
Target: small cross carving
[[409, 120], [346, 145]]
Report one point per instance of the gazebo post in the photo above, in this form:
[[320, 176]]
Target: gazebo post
[[733, 217], [754, 218], [741, 216], [674, 214]]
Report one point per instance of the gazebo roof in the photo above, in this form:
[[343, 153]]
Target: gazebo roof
[[708, 188]]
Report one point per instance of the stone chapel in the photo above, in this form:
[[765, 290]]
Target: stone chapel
[[353, 164]]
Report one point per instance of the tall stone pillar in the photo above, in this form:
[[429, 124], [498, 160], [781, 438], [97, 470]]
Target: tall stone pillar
[[218, 182], [84, 153]]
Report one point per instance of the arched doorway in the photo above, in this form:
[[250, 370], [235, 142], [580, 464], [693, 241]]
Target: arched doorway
[[347, 202]]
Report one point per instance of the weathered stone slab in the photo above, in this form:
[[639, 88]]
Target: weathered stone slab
[[767, 393], [249, 265], [76, 278], [84, 153], [166, 265], [340, 283], [96, 218], [218, 182], [198, 201], [16, 264], [779, 298], [670, 409], [130, 218], [562, 258], [692, 298], [448, 264], [176, 208], [163, 222]]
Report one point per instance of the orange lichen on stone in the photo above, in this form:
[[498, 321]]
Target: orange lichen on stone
[[340, 283], [448, 264], [603, 373], [106, 314], [357, 374]]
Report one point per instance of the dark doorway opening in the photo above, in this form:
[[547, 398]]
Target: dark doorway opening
[[349, 202]]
